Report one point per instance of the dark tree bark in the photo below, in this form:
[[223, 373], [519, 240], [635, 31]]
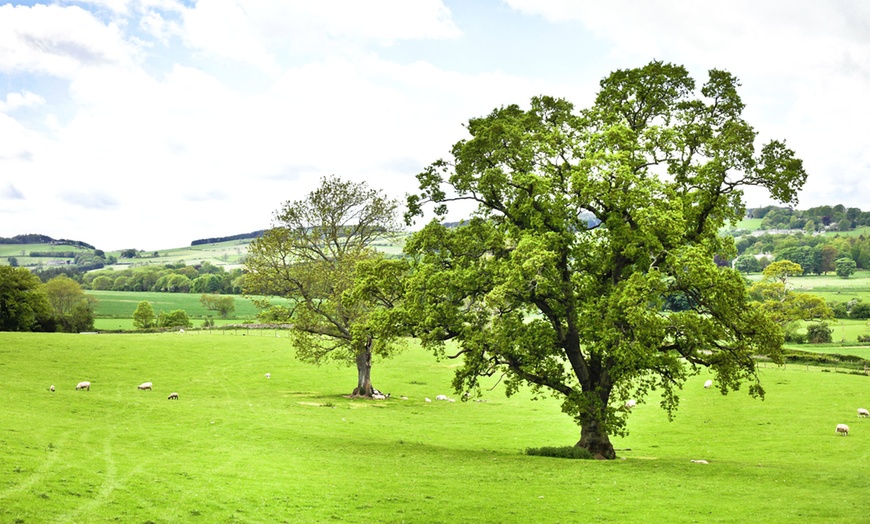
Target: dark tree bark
[[364, 386], [596, 441]]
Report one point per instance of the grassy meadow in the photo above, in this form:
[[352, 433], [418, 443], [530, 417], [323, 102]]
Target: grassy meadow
[[237, 447]]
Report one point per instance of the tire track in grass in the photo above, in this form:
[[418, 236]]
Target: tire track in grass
[[39, 472], [110, 483]]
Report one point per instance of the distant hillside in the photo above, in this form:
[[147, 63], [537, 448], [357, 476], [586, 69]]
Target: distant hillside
[[243, 236], [33, 238]]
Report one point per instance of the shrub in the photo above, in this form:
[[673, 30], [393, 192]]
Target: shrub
[[569, 452], [819, 333]]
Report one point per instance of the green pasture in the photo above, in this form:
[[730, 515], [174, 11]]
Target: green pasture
[[750, 224], [122, 304], [21, 252], [238, 447]]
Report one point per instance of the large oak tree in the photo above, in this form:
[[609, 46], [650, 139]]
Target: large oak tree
[[319, 254], [587, 222]]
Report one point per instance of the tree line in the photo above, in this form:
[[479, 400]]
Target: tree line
[[836, 218], [170, 278]]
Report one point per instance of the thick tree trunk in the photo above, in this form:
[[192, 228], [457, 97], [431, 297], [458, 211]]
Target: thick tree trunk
[[594, 439], [364, 373]]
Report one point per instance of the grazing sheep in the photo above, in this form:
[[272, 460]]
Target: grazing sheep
[[428, 399], [630, 403], [441, 397], [268, 375], [863, 412], [51, 388], [174, 396], [843, 429], [378, 396], [700, 461], [145, 385], [708, 384], [83, 385], [181, 331]]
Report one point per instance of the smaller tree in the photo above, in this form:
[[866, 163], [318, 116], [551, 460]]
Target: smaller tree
[[845, 267], [24, 305], [747, 264], [143, 317], [819, 333], [12, 261], [224, 305], [72, 308], [177, 318], [860, 310]]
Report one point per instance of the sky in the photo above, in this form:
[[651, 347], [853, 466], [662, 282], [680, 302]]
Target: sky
[[148, 124]]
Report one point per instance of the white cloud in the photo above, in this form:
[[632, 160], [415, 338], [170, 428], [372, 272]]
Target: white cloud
[[57, 40], [18, 100]]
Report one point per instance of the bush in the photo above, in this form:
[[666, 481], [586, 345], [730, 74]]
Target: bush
[[177, 318], [569, 452], [819, 333]]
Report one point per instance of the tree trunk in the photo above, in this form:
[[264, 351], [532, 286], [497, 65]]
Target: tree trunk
[[596, 441], [364, 373]]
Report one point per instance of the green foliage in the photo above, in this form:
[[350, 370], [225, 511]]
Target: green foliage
[[224, 305], [173, 319], [819, 333], [143, 317], [569, 452], [24, 305], [860, 310], [311, 257], [747, 264], [529, 289], [73, 311], [845, 267]]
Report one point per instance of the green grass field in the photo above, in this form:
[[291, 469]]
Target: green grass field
[[237, 447], [122, 304]]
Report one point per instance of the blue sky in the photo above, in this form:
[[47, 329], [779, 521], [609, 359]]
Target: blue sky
[[151, 123]]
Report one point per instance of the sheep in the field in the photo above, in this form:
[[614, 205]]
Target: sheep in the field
[[428, 399], [378, 396], [708, 384], [83, 385], [863, 413], [441, 397], [630, 403], [51, 388], [173, 396], [268, 375], [145, 385], [843, 429]]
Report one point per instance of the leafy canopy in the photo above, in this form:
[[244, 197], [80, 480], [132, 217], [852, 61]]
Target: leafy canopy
[[319, 254], [532, 290]]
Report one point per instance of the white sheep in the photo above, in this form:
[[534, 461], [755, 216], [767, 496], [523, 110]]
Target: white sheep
[[441, 397], [181, 331], [268, 375], [51, 388], [83, 385], [700, 461], [863, 412], [145, 385], [630, 403], [378, 396], [428, 399], [708, 384], [842, 429], [174, 396]]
